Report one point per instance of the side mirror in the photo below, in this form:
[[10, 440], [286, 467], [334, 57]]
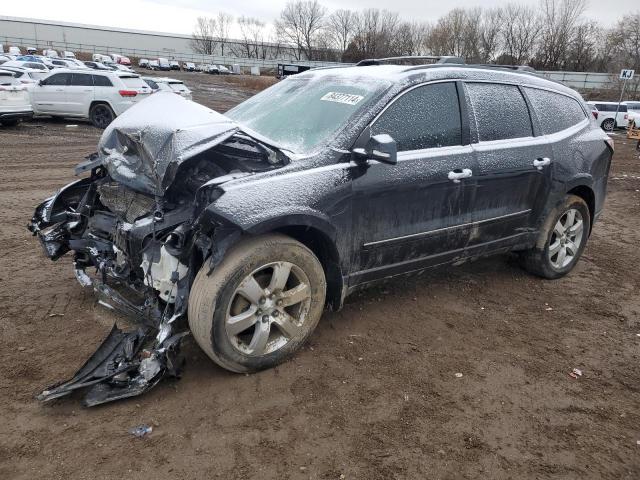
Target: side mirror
[[41, 82], [381, 147]]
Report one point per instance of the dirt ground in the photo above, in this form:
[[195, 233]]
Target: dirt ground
[[374, 395]]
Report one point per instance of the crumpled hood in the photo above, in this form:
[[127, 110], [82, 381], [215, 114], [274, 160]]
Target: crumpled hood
[[144, 146]]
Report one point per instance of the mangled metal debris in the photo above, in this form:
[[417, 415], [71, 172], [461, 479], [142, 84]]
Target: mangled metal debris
[[125, 365]]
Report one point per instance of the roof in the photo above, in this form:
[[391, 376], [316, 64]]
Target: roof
[[91, 71], [402, 74]]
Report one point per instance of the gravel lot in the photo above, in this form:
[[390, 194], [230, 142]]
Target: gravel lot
[[374, 395]]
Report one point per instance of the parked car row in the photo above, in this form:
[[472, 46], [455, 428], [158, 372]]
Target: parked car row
[[98, 94], [166, 65]]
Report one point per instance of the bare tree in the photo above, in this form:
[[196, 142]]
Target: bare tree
[[252, 37], [300, 22], [559, 19], [222, 24], [521, 31], [203, 37], [586, 50], [341, 26], [491, 32]]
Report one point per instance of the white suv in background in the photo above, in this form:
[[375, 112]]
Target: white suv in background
[[164, 84], [633, 110], [14, 100], [96, 95], [606, 114]]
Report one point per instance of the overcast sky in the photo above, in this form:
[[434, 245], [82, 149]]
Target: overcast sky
[[179, 16]]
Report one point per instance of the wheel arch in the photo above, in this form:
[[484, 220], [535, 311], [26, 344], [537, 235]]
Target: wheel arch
[[100, 102], [586, 193]]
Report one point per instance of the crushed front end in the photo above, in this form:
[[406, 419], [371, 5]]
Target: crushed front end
[[138, 233]]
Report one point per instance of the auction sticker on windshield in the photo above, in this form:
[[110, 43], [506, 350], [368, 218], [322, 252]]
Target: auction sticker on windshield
[[348, 98]]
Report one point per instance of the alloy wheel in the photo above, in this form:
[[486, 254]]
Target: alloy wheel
[[268, 308], [566, 239]]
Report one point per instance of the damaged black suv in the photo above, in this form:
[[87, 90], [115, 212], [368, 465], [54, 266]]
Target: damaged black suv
[[247, 224]]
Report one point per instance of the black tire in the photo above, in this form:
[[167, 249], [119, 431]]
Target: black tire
[[213, 296], [101, 115], [538, 260], [608, 125], [10, 122]]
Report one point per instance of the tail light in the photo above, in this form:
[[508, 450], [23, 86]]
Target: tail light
[[127, 93], [595, 114], [611, 144]]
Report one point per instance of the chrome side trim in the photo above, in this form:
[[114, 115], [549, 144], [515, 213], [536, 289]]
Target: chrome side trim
[[439, 230]]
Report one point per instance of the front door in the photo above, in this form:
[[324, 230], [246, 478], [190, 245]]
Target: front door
[[412, 215], [50, 96]]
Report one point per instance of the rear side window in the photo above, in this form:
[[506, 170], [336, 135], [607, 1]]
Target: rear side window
[[425, 117], [101, 81], [133, 82], [58, 79], [556, 112], [81, 80], [500, 111], [608, 107]]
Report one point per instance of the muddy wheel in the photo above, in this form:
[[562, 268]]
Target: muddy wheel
[[259, 305], [608, 125], [561, 241], [101, 115]]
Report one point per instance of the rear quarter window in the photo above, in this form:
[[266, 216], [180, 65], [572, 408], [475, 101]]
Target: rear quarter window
[[556, 112], [500, 111], [102, 81], [133, 82]]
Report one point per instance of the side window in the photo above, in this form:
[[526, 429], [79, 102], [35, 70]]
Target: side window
[[500, 111], [425, 117], [58, 79], [556, 112], [81, 79], [101, 81]]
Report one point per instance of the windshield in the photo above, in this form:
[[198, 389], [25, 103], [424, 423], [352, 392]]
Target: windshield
[[304, 112]]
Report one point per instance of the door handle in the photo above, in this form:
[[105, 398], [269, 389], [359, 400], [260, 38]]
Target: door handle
[[458, 173], [541, 162], [59, 90]]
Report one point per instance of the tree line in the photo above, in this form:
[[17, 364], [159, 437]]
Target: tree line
[[549, 35]]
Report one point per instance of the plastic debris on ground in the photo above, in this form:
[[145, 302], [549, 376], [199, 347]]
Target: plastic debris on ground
[[141, 430], [458, 375], [576, 373]]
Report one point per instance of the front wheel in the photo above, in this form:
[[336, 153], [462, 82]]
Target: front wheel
[[101, 115], [561, 241], [259, 305]]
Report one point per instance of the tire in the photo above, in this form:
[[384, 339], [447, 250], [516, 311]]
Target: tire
[[608, 125], [542, 260], [10, 122], [218, 300], [101, 115]]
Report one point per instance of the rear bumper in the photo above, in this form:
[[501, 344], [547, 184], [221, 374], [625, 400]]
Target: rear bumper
[[20, 114]]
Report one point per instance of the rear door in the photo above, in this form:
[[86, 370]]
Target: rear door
[[80, 93], [514, 163], [412, 215], [50, 96]]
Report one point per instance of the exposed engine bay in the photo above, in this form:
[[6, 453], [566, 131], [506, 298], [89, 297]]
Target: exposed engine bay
[[140, 248]]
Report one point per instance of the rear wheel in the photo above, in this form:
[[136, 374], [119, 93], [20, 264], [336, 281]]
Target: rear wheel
[[101, 115], [608, 125], [259, 305], [561, 241]]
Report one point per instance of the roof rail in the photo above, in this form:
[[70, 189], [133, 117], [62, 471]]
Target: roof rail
[[411, 60], [520, 68]]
